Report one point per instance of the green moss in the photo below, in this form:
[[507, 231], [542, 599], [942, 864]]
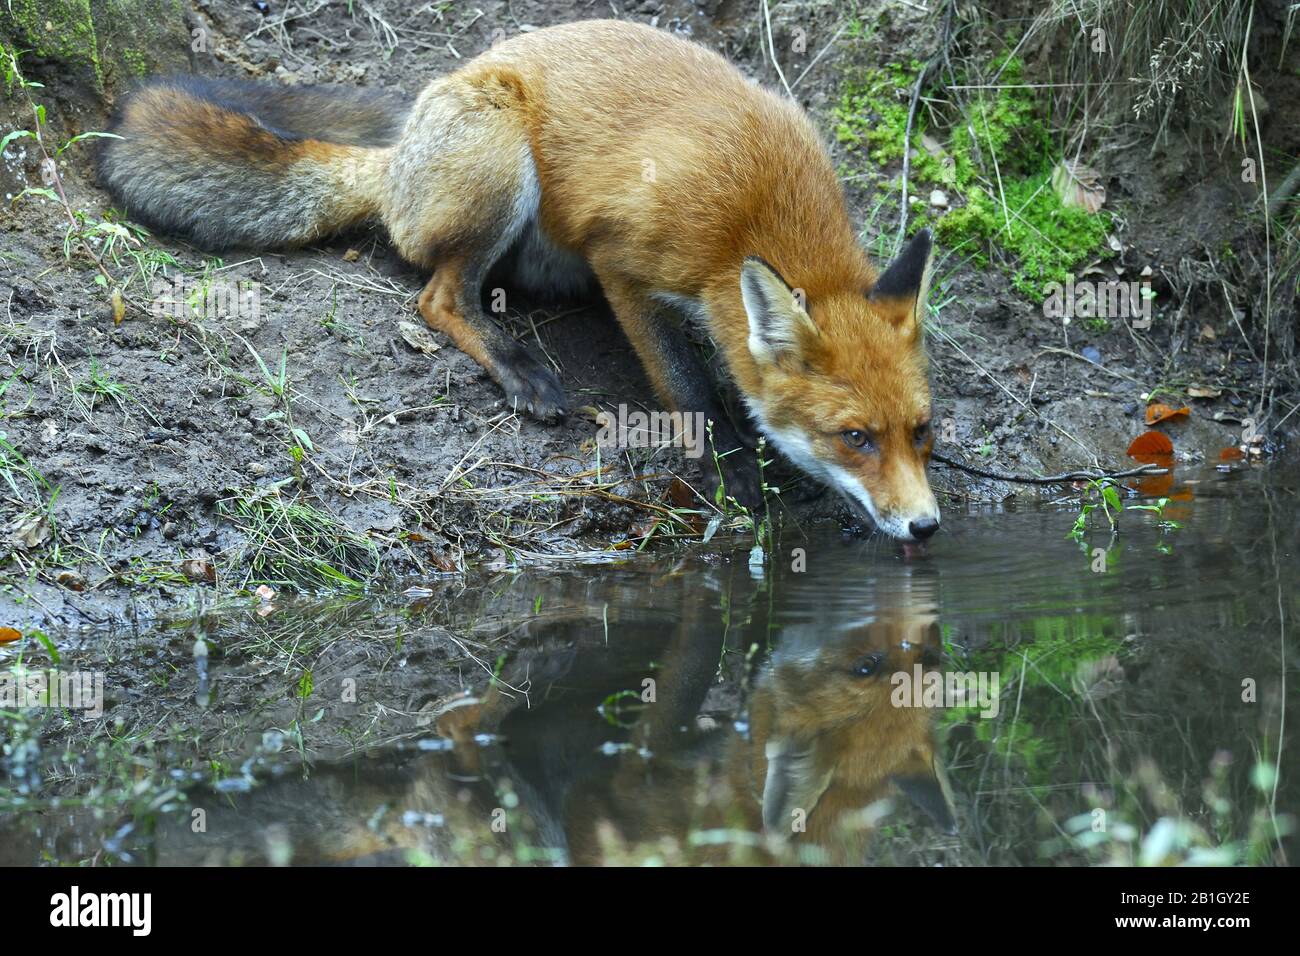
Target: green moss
[[1044, 238], [136, 62], [112, 39], [871, 117], [58, 29], [1003, 125], [997, 172]]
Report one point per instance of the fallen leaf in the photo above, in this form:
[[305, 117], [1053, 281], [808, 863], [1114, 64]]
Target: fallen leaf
[[1159, 412], [418, 337], [8, 635], [1078, 185], [1154, 448], [352, 255], [1203, 391], [265, 592], [70, 580], [1231, 453], [643, 529], [119, 307], [29, 532], [1155, 444], [444, 562], [199, 568], [680, 494]]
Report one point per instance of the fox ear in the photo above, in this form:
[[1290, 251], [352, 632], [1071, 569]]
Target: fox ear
[[907, 280], [792, 782], [926, 785], [778, 320]]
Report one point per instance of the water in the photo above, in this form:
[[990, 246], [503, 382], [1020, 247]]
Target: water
[[1126, 698]]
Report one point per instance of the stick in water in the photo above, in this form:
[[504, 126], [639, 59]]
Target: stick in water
[[1087, 475]]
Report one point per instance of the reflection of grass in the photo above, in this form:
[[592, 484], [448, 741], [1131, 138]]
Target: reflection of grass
[[1226, 834], [294, 545], [1039, 704], [1067, 766]]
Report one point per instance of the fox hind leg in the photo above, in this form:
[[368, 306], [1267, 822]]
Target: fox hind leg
[[450, 304], [462, 190]]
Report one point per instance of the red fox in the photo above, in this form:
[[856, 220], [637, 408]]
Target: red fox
[[599, 150]]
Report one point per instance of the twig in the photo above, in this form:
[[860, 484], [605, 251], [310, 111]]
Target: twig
[[930, 64], [771, 46], [1090, 474], [817, 59]]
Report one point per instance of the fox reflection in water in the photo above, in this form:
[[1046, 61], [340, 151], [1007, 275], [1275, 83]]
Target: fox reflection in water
[[597, 753]]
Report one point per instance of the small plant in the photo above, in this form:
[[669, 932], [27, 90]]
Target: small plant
[[81, 233], [98, 385], [1104, 494], [277, 386], [1158, 509]]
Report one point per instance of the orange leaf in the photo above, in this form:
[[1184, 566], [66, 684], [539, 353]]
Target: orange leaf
[[1160, 412], [8, 634], [1231, 453], [1151, 443]]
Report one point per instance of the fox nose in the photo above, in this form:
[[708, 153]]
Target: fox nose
[[923, 528]]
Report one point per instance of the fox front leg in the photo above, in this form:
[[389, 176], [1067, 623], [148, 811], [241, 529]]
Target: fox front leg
[[684, 385]]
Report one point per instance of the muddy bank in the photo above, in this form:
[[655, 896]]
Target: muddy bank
[[282, 426]]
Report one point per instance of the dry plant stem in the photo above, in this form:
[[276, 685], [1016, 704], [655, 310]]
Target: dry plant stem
[[771, 49], [1268, 226], [930, 64], [1067, 477]]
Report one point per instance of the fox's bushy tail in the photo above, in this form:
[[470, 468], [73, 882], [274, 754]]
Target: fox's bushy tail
[[226, 163]]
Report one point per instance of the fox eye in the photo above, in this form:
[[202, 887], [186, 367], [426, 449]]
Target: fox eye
[[855, 438], [921, 433], [867, 666]]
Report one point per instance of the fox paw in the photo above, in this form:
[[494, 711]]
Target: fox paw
[[530, 386]]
